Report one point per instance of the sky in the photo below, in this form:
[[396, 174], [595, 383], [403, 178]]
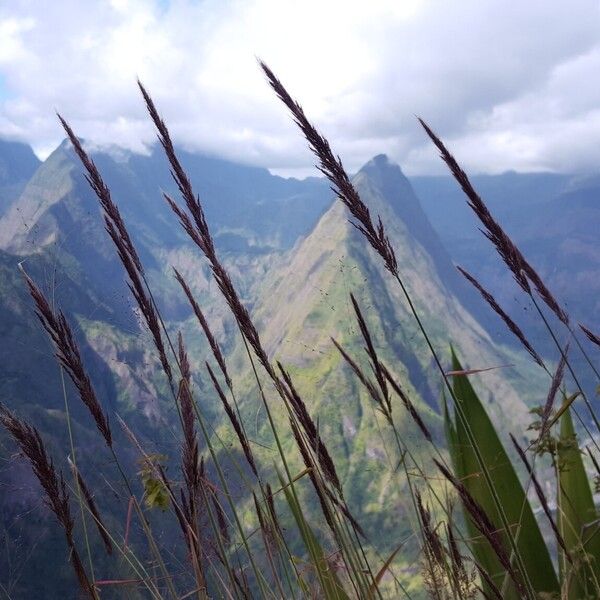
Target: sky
[[508, 85]]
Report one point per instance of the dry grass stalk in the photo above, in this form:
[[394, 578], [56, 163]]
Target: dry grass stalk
[[117, 231], [198, 230], [485, 576], [265, 527], [522, 271], [203, 239], [69, 356], [432, 539], [184, 396], [554, 385], [194, 223], [57, 497], [324, 494], [484, 525], [382, 405], [444, 579], [410, 407], [214, 345], [272, 511], [312, 470], [312, 434], [221, 518], [512, 326], [371, 353], [383, 376], [541, 497], [332, 167], [91, 504], [189, 451], [595, 339], [269, 538], [346, 512], [433, 565], [194, 472], [463, 580], [455, 555], [241, 582], [237, 427]]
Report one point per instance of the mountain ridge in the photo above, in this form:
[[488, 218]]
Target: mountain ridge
[[297, 287], [17, 165], [308, 301]]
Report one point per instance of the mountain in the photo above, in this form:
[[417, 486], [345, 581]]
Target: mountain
[[56, 222], [334, 260], [17, 165], [554, 219], [244, 205], [294, 258], [307, 301], [564, 245], [55, 230], [512, 197]]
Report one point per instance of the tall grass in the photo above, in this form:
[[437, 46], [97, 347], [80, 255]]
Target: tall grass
[[493, 548]]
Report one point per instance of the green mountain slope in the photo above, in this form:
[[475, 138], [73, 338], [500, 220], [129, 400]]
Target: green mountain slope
[[295, 276], [306, 301]]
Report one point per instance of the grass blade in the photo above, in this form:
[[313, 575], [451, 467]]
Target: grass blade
[[532, 547], [577, 516], [331, 586]]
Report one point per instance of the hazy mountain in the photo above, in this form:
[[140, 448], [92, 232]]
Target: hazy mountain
[[564, 244], [295, 259], [55, 230], [554, 219], [249, 210], [513, 197], [307, 301], [17, 165]]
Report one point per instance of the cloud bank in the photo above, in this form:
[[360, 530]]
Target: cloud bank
[[508, 85]]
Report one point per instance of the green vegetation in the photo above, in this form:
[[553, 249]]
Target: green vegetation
[[264, 504]]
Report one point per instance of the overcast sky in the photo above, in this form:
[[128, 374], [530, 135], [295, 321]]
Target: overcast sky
[[508, 84]]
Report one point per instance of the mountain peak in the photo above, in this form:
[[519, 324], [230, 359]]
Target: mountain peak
[[382, 163], [17, 162], [386, 175], [381, 160]]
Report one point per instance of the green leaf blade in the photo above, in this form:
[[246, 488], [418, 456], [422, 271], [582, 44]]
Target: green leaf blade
[[577, 517], [531, 545]]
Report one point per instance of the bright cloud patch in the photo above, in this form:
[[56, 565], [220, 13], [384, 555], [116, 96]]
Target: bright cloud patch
[[508, 85]]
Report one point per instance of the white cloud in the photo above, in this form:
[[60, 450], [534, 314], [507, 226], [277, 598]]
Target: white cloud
[[508, 85]]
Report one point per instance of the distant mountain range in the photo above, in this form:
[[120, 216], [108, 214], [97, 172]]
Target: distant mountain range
[[295, 259], [554, 219], [17, 164]]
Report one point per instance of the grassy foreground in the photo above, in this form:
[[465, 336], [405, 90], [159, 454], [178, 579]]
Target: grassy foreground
[[481, 527]]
